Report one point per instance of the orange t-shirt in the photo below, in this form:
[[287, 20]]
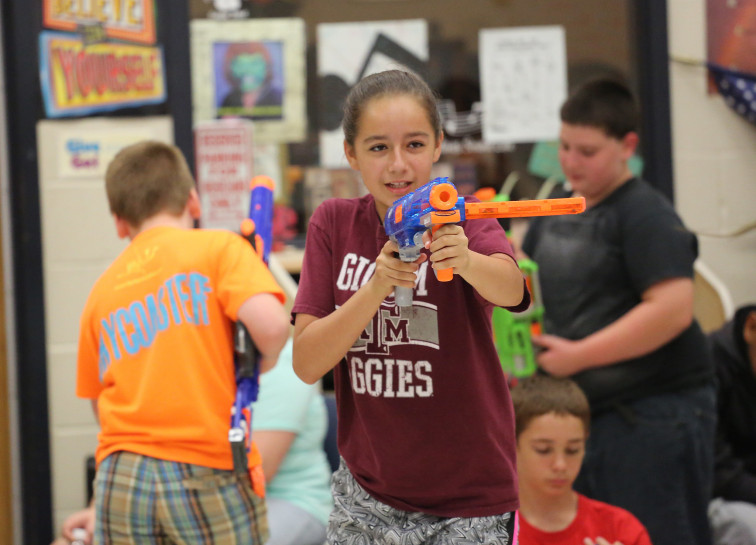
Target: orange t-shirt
[[155, 345]]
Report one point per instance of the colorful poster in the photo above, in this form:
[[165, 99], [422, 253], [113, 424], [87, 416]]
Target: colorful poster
[[78, 80], [223, 154], [731, 54], [523, 78], [130, 20], [349, 51], [248, 79], [252, 69], [730, 31]]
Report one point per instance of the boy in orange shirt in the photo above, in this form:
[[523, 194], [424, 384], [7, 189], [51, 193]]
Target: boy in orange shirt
[[552, 419], [156, 358]]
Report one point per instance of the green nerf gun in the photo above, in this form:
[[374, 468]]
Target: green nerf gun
[[513, 332]]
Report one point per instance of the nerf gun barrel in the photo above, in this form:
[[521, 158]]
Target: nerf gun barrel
[[258, 230], [258, 227], [438, 202]]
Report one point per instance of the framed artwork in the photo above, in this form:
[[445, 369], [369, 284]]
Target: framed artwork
[[349, 51], [251, 69]]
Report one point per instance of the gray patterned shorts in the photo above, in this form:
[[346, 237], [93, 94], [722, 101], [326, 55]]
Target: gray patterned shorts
[[360, 519]]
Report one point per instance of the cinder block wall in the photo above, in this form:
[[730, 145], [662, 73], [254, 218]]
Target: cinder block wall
[[78, 243], [714, 158]]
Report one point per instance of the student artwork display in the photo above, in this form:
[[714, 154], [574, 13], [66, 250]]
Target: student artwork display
[[79, 79], [132, 21], [101, 57], [349, 51], [523, 77], [731, 53], [251, 69]]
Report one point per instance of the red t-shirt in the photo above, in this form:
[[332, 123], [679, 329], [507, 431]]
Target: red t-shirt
[[594, 519], [425, 421]]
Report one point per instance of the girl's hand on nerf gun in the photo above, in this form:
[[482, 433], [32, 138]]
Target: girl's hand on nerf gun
[[560, 357], [448, 248], [391, 271]]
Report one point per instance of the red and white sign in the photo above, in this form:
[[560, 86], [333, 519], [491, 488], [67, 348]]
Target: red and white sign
[[223, 157]]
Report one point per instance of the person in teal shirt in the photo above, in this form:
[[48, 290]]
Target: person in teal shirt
[[289, 423]]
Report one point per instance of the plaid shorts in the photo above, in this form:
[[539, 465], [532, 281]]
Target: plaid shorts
[[360, 519], [139, 499]]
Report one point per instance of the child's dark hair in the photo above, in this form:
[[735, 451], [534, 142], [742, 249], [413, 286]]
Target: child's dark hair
[[388, 83], [541, 394], [146, 178], [605, 104]]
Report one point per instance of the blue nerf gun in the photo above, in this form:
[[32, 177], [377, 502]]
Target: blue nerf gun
[[437, 203], [258, 230]]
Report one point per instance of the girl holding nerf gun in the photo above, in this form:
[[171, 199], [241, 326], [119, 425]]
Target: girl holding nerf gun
[[426, 428]]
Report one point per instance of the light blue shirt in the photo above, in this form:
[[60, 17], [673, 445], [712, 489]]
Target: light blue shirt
[[286, 403]]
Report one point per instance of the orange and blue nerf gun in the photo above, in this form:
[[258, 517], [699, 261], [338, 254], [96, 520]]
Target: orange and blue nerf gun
[[437, 203], [257, 228]]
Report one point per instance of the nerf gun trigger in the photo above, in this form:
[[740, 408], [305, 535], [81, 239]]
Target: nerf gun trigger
[[443, 197]]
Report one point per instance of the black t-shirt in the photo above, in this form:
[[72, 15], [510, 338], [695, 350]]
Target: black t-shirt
[[594, 268]]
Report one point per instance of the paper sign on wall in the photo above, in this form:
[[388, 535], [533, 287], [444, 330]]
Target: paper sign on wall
[[523, 76], [223, 154], [85, 153]]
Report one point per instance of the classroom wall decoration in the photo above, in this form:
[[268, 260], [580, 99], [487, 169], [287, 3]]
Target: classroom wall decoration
[[349, 51], [731, 53], [79, 79], [523, 73], [223, 152], [251, 69], [132, 20]]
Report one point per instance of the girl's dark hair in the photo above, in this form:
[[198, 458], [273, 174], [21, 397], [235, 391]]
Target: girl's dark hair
[[605, 104], [390, 82], [542, 394]]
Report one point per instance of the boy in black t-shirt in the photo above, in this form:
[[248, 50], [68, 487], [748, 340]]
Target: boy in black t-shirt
[[617, 286]]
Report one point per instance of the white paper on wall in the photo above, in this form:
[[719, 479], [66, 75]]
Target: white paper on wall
[[523, 75], [349, 51], [223, 154]]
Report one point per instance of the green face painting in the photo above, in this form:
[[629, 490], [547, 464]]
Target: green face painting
[[250, 70]]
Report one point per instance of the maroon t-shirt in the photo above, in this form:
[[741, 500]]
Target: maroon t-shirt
[[425, 421]]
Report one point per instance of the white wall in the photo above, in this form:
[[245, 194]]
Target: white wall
[[78, 242], [714, 158]]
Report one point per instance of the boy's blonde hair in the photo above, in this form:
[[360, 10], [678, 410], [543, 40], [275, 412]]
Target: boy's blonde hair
[[540, 394], [147, 178]]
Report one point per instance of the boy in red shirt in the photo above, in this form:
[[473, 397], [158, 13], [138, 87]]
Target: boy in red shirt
[[552, 422]]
